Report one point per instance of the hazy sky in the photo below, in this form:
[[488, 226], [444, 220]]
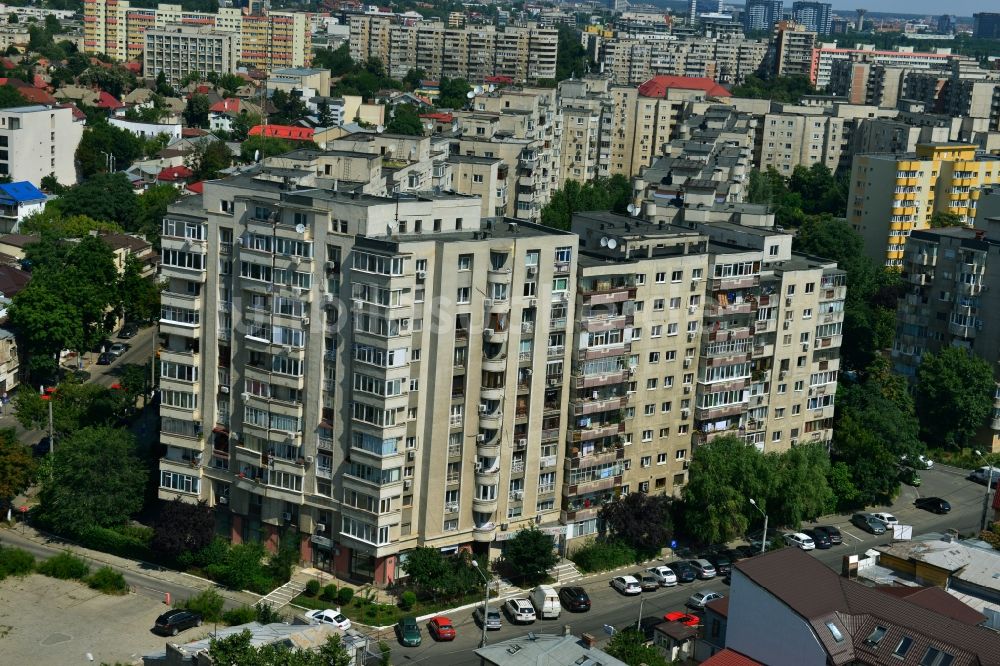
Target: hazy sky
[[958, 7]]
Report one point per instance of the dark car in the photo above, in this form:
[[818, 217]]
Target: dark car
[[175, 621], [722, 561], [832, 532], [743, 552], [685, 572], [932, 504], [575, 599], [819, 537], [868, 523], [909, 476], [128, 331], [105, 359], [645, 626], [647, 582], [409, 632]]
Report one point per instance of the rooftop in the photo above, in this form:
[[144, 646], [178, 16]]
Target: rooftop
[[976, 566], [20, 192], [659, 85], [545, 650]]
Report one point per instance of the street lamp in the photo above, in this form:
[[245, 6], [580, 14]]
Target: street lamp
[[486, 606], [986, 497], [763, 538]]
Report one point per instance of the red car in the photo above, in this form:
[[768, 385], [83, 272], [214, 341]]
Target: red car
[[441, 628], [683, 618]]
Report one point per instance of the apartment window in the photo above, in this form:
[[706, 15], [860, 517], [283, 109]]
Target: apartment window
[[465, 262], [696, 274], [670, 356], [782, 388], [665, 407], [790, 290], [810, 287], [661, 278], [671, 329], [649, 410], [655, 331], [776, 436], [657, 304], [804, 337], [477, 178], [647, 435], [680, 454], [779, 413], [807, 313], [651, 384], [630, 412], [639, 306], [640, 278], [664, 432], [661, 459], [675, 302], [646, 461], [464, 294], [676, 276], [798, 385]]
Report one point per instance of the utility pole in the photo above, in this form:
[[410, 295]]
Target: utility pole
[[986, 498]]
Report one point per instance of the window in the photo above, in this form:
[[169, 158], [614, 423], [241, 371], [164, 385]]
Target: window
[[680, 454], [661, 278], [651, 384], [661, 459], [904, 646], [649, 409], [654, 357], [560, 284], [671, 329], [564, 255], [776, 436], [665, 407], [656, 331], [465, 262], [835, 632], [646, 461], [477, 178], [676, 302], [657, 304], [676, 276], [647, 435], [464, 294], [791, 290], [935, 657], [640, 278]]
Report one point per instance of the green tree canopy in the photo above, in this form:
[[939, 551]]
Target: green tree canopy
[[630, 646], [642, 521], [338, 60], [954, 391], [779, 89], [405, 121], [138, 297], [152, 207], [17, 466], [944, 218], [269, 146], [614, 193], [101, 139], [452, 93], [209, 158], [571, 58], [530, 554], [183, 527], [52, 221], [237, 650], [106, 197], [97, 480], [10, 97], [196, 110]]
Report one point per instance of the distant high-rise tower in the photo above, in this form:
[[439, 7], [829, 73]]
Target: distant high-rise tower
[[692, 12], [861, 19], [814, 16], [761, 14]]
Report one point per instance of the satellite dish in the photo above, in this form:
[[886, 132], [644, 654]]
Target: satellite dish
[[632, 209], [429, 126], [478, 90], [604, 241], [256, 156], [470, 94], [380, 129], [612, 243], [491, 88], [300, 229]]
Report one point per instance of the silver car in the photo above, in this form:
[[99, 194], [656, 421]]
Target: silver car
[[487, 615]]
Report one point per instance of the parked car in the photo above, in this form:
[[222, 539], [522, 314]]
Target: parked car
[[933, 504], [626, 585], [683, 618], [408, 632], [685, 573], [330, 616], [868, 523], [118, 349], [545, 599], [519, 610], [835, 538], [175, 621], [743, 552], [722, 562], [910, 477], [487, 615], [664, 575], [575, 599], [645, 626], [647, 582], [819, 537], [441, 628], [129, 330], [921, 462], [703, 568], [887, 519], [699, 599], [803, 541], [105, 359], [982, 475]]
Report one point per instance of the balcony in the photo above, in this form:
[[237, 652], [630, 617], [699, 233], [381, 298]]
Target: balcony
[[489, 447], [489, 393], [734, 282], [496, 335], [597, 432], [491, 420], [496, 364], [546, 462], [488, 476], [498, 275], [729, 310], [592, 486], [581, 408], [715, 413], [605, 351], [598, 457], [484, 533], [590, 381], [583, 513], [484, 505], [733, 333]]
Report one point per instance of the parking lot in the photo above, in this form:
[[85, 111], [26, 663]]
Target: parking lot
[[50, 622]]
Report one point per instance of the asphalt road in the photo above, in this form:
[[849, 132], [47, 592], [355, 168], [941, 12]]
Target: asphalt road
[[611, 608]]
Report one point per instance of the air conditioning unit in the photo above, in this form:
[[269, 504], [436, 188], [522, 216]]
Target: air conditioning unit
[[310, 460], [518, 495], [532, 270], [795, 441], [687, 390], [329, 298], [532, 302], [223, 389], [782, 374], [407, 484], [687, 362], [786, 324], [287, 349], [488, 332], [305, 321], [222, 500], [692, 309], [287, 517], [690, 336], [320, 527], [482, 409], [631, 371], [805, 346], [421, 275], [298, 291], [404, 324], [788, 301], [593, 395], [685, 413], [480, 438], [522, 442], [411, 455]]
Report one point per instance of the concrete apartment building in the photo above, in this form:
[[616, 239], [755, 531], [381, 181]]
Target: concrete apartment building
[[761, 14], [38, 141], [815, 16], [949, 302], [634, 60], [525, 53], [268, 40], [986, 25], [826, 53], [892, 195], [792, 49], [341, 440], [178, 50]]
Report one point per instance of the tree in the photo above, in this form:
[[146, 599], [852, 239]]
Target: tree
[[107, 197], [74, 406], [413, 78], [954, 395], [324, 114], [51, 221], [196, 111], [183, 527], [642, 521], [244, 122], [209, 158], [338, 60], [452, 93], [779, 89], [115, 80], [614, 193], [237, 650], [101, 139], [46, 324], [10, 97], [571, 58], [406, 120], [425, 567], [97, 479], [163, 86], [230, 83], [942, 218], [630, 646], [152, 207], [288, 107], [530, 553], [138, 296], [268, 146], [17, 467]]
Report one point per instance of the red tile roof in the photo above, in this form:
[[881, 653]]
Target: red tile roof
[[730, 658], [36, 96], [440, 117], [108, 101], [659, 85], [77, 113], [174, 174], [505, 80], [228, 105], [197, 188], [193, 132], [133, 67], [283, 132]]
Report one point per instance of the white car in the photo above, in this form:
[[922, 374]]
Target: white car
[[520, 610], [923, 462], [665, 576], [699, 599], [803, 541], [330, 616], [886, 519], [626, 585]]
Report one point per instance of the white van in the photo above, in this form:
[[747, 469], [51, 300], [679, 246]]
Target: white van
[[982, 475], [546, 602]]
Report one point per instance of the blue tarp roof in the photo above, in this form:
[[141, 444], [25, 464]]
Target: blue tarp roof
[[20, 192]]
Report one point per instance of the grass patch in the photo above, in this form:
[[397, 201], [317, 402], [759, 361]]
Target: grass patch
[[65, 566], [108, 581], [604, 556], [15, 562], [207, 603]]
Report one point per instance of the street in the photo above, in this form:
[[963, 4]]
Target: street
[[611, 608]]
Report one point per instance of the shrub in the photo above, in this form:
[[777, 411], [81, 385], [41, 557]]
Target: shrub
[[15, 562], [241, 567], [65, 565], [207, 603], [604, 555], [407, 600], [127, 542], [345, 595], [108, 581], [312, 588], [329, 592], [241, 615], [265, 613]]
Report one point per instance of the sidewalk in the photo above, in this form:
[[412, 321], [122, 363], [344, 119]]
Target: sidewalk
[[137, 567]]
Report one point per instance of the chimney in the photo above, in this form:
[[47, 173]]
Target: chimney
[[589, 641]]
